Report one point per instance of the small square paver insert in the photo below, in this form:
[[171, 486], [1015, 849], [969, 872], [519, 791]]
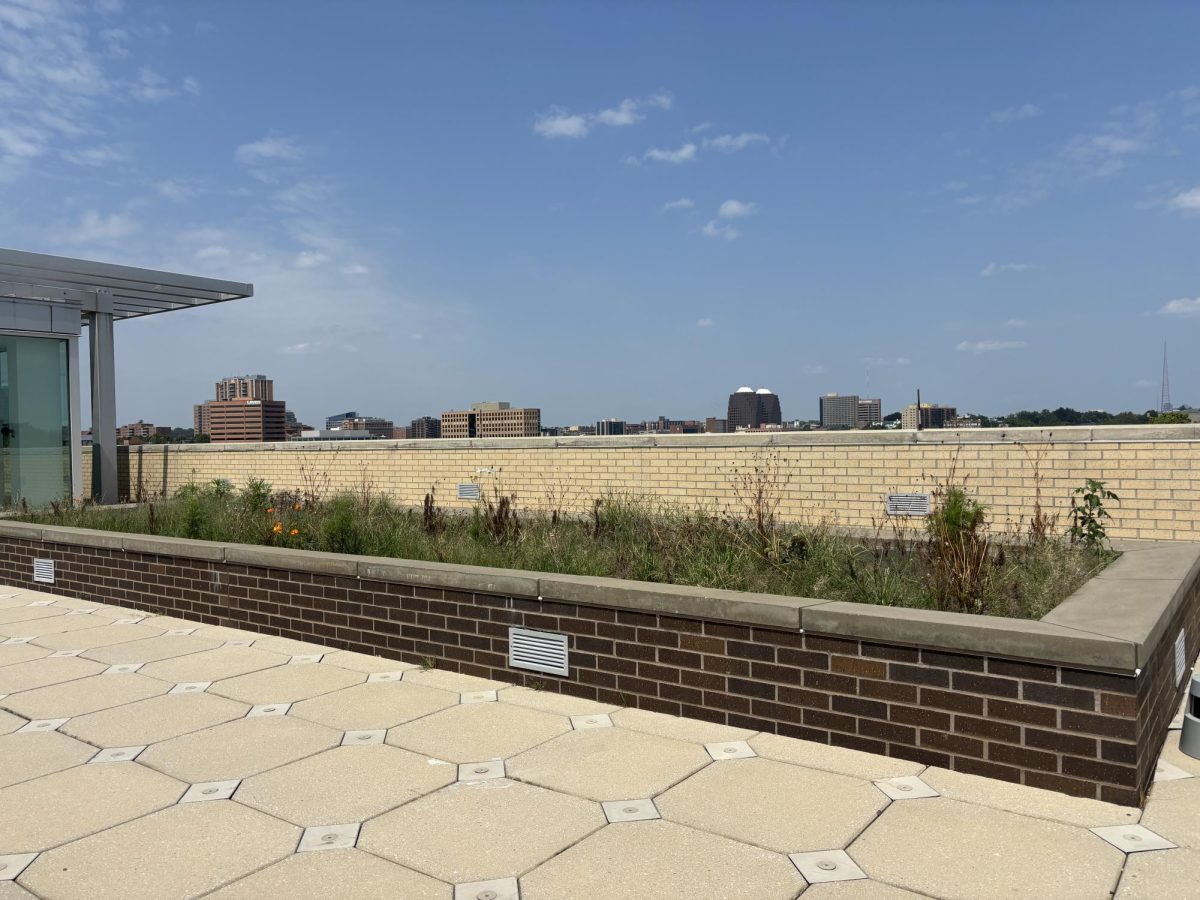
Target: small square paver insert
[[305, 659], [42, 726], [730, 750], [121, 669], [1165, 771], [597, 720], [821, 866], [14, 864], [908, 787], [363, 738], [481, 771], [269, 709], [477, 697], [117, 754], [210, 790], [191, 687], [329, 837], [496, 889], [58, 653], [1132, 838], [630, 810], [376, 677]]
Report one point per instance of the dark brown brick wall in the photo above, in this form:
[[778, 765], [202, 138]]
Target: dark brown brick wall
[[1090, 734]]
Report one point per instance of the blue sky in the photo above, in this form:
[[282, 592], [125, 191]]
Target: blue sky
[[623, 209]]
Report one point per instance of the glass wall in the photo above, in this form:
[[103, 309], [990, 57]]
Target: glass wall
[[35, 420]]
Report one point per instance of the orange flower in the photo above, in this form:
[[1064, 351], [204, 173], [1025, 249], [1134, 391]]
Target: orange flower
[[278, 529], [297, 507], [270, 509], [294, 531]]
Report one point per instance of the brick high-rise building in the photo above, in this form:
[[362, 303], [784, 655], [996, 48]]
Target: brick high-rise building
[[749, 408], [247, 387], [850, 411], [425, 427], [491, 420], [245, 409], [374, 426], [931, 416]]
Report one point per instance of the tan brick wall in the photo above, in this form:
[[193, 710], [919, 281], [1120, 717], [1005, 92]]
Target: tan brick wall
[[823, 476]]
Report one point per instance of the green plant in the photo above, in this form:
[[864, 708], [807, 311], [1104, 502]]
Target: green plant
[[342, 528], [958, 549], [433, 517], [1088, 514], [427, 663]]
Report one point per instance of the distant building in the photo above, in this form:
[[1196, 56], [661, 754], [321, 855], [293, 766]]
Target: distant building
[[850, 411], [715, 426], [293, 426], [964, 422], [245, 409], [334, 434], [400, 432], [928, 415], [749, 408], [492, 419], [607, 427], [335, 421], [140, 432], [425, 427], [374, 426]]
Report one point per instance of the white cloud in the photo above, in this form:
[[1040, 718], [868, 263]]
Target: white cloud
[[94, 228], [212, 251], [1143, 383], [955, 186], [310, 259], [301, 348], [732, 143], [1015, 114], [990, 346], [681, 203], [704, 323], [1187, 201], [558, 122], [683, 154], [95, 157], [736, 209], [703, 126], [1184, 308], [269, 150], [995, 268], [813, 369], [1016, 323], [881, 361], [191, 85], [176, 189], [725, 232], [151, 87], [355, 269]]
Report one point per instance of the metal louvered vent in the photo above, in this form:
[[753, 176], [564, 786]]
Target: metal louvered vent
[[1180, 657], [908, 504], [468, 491], [539, 651], [43, 571]]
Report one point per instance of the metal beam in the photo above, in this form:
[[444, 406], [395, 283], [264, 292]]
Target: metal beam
[[104, 401]]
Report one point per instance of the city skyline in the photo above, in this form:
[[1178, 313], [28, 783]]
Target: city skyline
[[1001, 237]]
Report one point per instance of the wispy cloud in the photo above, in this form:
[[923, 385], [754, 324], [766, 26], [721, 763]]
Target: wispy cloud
[[995, 268], [212, 251], [720, 228], [703, 126], [681, 203], [883, 361], [269, 150], [1016, 323], [736, 209], [990, 346], [97, 156], [558, 122], [732, 143], [682, 154], [704, 323], [813, 369], [310, 259], [1015, 114], [94, 228], [355, 269], [1183, 308], [1186, 201], [724, 232], [1143, 383]]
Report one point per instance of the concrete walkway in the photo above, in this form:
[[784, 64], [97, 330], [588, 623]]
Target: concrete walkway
[[151, 757]]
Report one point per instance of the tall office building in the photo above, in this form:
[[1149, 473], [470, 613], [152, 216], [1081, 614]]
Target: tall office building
[[492, 419], [245, 409], [850, 411], [332, 422], [749, 408], [610, 427], [425, 427], [373, 425], [870, 411], [930, 416]]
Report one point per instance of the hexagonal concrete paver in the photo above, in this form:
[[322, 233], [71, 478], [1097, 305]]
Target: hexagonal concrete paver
[[1178, 820], [481, 830], [153, 720], [367, 707], [663, 860], [38, 673], [608, 763], [859, 890], [773, 805], [559, 704], [213, 665], [54, 809], [54, 626], [287, 646], [152, 649], [811, 755], [9, 722], [84, 695], [19, 653], [984, 853], [13, 614], [1159, 876], [10, 890], [342, 873], [478, 731], [287, 683], [25, 756], [451, 681], [240, 748], [345, 784], [104, 636], [678, 728], [182, 851], [1028, 801], [363, 662]]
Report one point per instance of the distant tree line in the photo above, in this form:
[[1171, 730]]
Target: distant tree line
[[1065, 415]]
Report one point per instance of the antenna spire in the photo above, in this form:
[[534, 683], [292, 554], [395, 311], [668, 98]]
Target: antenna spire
[[1164, 401]]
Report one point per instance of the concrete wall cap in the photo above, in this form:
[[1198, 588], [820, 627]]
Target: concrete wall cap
[[289, 558], [471, 579], [173, 546]]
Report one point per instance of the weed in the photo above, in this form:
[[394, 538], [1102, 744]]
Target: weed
[[1088, 514], [427, 663]]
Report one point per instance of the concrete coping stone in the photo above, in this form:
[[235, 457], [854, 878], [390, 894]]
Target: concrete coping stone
[[1113, 622]]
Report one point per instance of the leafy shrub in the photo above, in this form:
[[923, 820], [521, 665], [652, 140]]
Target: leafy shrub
[[1088, 514]]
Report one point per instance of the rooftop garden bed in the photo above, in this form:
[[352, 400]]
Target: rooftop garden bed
[[955, 563]]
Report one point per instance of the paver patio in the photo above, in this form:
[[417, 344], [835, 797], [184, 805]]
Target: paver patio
[[168, 759]]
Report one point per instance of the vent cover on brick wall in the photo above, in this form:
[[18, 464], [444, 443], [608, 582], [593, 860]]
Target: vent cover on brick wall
[[468, 491], [538, 651], [908, 504], [43, 571], [1180, 656]]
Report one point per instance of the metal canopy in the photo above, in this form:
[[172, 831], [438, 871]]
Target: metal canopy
[[133, 291]]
